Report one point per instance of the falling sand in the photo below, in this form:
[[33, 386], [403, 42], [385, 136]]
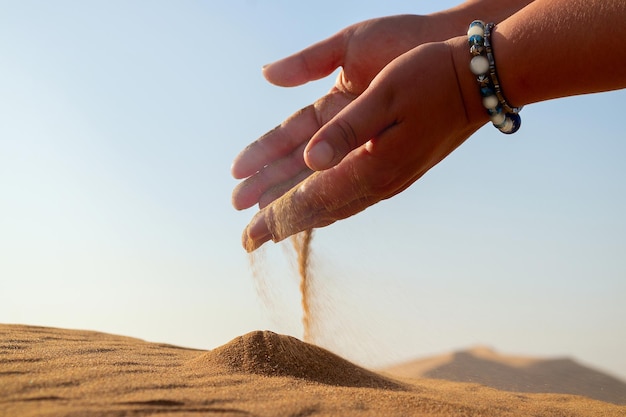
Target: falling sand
[[302, 245], [286, 215]]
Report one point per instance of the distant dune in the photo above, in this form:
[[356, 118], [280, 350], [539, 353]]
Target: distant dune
[[515, 373], [48, 372]]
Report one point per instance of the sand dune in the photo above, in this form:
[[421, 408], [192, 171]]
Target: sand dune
[[516, 373], [56, 372]]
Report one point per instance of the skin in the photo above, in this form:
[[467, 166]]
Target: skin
[[275, 163], [385, 124]]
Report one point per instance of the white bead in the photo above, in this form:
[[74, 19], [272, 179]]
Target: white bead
[[479, 65], [508, 126], [490, 102], [475, 30], [498, 118]]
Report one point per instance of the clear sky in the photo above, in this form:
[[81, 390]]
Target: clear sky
[[118, 124]]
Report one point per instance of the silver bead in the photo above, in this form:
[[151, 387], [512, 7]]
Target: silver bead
[[477, 50]]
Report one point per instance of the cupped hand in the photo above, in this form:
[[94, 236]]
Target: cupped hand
[[276, 162], [412, 115]]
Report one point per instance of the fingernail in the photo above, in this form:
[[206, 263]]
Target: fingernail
[[256, 234], [320, 156]]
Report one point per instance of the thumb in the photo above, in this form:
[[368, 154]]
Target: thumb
[[315, 62], [357, 123]]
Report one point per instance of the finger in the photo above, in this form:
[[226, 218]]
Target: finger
[[366, 117], [315, 62], [276, 144], [275, 163], [278, 190], [283, 174], [268, 225], [325, 197], [363, 178]]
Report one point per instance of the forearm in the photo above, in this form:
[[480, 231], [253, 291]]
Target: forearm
[[493, 10], [458, 17], [558, 48], [551, 49]]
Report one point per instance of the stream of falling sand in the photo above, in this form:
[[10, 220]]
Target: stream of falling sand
[[302, 244]]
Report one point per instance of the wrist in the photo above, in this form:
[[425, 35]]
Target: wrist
[[468, 89]]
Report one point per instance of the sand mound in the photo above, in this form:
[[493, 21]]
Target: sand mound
[[270, 354], [516, 373]]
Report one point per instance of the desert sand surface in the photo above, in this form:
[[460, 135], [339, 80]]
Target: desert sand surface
[[57, 372]]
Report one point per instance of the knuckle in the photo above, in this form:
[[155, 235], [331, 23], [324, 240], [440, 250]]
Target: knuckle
[[346, 134], [382, 181]]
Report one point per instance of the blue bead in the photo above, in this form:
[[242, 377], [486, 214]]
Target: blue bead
[[517, 123], [495, 111], [486, 91], [478, 23], [476, 40]]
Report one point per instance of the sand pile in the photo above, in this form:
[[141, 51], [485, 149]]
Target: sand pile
[[270, 354], [47, 372]]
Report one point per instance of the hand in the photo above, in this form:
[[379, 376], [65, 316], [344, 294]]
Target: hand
[[275, 163], [411, 116]]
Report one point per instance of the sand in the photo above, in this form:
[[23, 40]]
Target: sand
[[302, 246], [57, 372]]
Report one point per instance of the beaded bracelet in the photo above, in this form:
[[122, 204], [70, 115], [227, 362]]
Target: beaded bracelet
[[503, 116]]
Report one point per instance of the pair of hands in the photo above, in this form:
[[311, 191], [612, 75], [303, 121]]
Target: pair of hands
[[394, 112]]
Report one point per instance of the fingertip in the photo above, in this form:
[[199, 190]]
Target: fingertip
[[236, 168], [319, 156], [243, 166], [235, 201], [265, 71], [234, 171], [242, 198], [247, 243], [256, 233], [283, 73]]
